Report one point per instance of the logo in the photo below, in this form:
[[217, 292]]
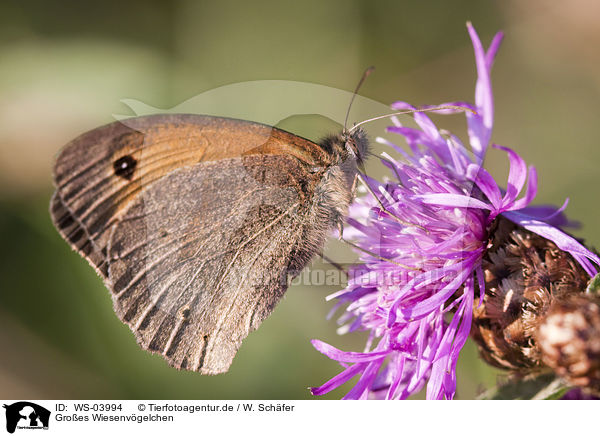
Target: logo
[[26, 415]]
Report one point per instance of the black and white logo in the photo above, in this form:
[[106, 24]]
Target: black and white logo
[[26, 415]]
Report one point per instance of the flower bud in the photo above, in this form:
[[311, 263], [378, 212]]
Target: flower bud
[[569, 340]]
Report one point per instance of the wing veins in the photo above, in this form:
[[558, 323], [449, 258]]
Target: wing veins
[[147, 163], [221, 319]]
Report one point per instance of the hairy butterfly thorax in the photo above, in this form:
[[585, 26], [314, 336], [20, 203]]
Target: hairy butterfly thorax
[[336, 184], [336, 190]]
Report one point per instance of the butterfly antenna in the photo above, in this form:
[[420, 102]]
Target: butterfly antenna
[[444, 108], [366, 74]]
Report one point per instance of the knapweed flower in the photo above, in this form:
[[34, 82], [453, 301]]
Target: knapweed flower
[[422, 238]]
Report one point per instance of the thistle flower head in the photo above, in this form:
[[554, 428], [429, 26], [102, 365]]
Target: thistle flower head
[[421, 240]]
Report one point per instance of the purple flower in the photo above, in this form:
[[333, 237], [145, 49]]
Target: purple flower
[[579, 394], [421, 239]]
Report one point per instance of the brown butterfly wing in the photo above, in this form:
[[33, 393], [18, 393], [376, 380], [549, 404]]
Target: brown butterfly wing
[[194, 273], [192, 235]]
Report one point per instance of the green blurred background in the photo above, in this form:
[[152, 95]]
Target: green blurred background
[[65, 66]]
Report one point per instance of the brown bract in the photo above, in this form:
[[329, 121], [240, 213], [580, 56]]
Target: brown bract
[[525, 276]]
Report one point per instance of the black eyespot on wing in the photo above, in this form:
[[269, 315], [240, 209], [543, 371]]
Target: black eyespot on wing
[[184, 313], [125, 167]]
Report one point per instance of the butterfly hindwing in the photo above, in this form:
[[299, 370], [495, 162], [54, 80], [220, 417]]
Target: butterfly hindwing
[[193, 274]]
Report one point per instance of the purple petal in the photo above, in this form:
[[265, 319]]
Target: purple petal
[[466, 314], [346, 356], [436, 380], [425, 278], [413, 136], [562, 240], [531, 191], [445, 345], [399, 372], [517, 174], [453, 200], [361, 387], [551, 215], [480, 127], [443, 382], [338, 380], [493, 50], [487, 184], [421, 119], [439, 298]]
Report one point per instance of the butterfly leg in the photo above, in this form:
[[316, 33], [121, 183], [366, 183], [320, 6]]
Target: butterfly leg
[[334, 263], [340, 227], [354, 183], [384, 209]]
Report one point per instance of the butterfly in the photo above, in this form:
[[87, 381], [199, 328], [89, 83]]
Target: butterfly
[[196, 223]]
